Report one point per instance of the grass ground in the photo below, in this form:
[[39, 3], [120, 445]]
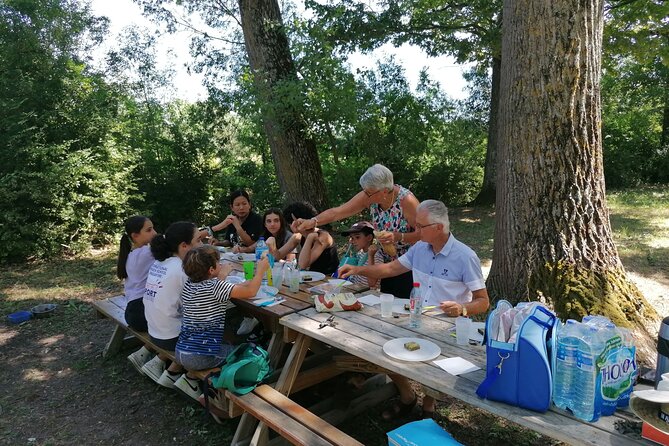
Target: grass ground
[[59, 391]]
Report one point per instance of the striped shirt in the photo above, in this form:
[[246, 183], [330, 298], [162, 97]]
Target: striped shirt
[[203, 322]]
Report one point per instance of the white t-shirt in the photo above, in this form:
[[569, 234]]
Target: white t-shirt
[[137, 266], [162, 298]]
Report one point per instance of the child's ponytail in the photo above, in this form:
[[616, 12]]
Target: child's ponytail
[[133, 225]]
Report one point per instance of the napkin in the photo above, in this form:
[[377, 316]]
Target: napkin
[[369, 299], [456, 365]]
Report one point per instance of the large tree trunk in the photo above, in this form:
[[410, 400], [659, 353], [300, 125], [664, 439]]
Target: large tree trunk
[[552, 235], [487, 193], [295, 157]]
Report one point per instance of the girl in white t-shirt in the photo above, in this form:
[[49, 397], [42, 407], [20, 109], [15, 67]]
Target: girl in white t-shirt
[[132, 266], [162, 296]]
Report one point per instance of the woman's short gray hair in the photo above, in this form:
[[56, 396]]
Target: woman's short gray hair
[[437, 211], [377, 177]]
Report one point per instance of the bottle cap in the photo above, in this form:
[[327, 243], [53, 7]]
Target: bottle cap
[[416, 285]]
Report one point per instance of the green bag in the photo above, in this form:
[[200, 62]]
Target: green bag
[[245, 367]]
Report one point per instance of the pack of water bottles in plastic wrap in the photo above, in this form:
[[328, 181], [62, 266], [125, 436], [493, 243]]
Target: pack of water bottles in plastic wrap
[[594, 367]]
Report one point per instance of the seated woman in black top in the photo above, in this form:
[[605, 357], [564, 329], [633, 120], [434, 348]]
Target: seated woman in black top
[[318, 250], [243, 226]]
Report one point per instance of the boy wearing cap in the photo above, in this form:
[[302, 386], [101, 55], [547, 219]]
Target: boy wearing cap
[[361, 237]]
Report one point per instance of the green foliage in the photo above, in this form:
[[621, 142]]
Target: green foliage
[[61, 185], [635, 93]]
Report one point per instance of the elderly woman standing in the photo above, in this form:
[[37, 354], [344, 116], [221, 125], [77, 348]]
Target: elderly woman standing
[[393, 210]]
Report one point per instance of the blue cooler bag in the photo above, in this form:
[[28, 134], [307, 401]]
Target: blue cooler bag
[[519, 373]]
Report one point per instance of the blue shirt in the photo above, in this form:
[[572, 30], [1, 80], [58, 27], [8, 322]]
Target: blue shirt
[[449, 275]]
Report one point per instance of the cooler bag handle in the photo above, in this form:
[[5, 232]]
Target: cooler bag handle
[[482, 390], [551, 317]]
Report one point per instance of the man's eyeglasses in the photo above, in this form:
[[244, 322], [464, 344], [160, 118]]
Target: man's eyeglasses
[[419, 226]]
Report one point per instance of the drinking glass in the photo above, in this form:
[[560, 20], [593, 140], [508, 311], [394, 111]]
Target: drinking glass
[[386, 305], [462, 327]]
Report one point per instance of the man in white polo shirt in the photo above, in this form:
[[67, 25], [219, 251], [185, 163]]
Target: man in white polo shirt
[[449, 273]]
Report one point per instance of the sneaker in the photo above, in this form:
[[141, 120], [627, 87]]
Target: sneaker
[[168, 379], [256, 337], [154, 368], [247, 326], [139, 358], [189, 386]]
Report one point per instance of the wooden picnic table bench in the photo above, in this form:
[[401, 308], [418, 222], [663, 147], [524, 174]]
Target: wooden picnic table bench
[[290, 420]]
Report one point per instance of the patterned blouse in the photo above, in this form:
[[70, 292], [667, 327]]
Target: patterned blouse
[[392, 219]]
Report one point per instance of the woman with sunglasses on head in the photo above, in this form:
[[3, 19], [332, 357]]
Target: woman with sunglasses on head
[[393, 213]]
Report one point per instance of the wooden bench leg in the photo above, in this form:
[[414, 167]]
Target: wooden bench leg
[[275, 348], [115, 342], [248, 423], [285, 383]]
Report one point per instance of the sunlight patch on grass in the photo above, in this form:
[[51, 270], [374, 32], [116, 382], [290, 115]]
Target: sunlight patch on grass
[[6, 336], [51, 340], [36, 375]]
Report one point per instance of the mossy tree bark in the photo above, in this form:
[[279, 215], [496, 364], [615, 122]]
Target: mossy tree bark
[[552, 235], [295, 157]]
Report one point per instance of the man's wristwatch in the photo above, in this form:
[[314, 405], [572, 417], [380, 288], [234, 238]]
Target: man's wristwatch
[[464, 310]]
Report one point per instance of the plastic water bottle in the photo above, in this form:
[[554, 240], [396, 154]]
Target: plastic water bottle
[[605, 360], [261, 247], [627, 360], [565, 365], [587, 378], [415, 306]]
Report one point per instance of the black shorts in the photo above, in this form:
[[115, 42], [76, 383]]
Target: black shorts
[[165, 344], [134, 315], [399, 286]]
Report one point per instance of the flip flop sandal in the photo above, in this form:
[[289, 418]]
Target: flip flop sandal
[[399, 409]]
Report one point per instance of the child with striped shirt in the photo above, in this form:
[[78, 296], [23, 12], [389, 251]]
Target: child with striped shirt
[[204, 301]]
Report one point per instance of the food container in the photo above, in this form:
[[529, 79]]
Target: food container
[[43, 310], [19, 317]]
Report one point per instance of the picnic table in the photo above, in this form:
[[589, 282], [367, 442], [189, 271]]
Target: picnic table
[[362, 334], [270, 315]]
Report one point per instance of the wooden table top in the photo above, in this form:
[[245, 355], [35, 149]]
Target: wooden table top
[[294, 301], [363, 334]]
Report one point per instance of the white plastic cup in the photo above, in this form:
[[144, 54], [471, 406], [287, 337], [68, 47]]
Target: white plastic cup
[[386, 305], [462, 327], [277, 275]]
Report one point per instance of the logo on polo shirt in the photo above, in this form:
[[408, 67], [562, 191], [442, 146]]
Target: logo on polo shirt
[[445, 273]]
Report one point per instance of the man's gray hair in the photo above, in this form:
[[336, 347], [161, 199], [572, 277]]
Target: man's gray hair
[[377, 177], [437, 211]]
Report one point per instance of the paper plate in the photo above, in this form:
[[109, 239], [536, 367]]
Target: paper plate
[[234, 279], [655, 396], [395, 349], [311, 276], [245, 257]]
